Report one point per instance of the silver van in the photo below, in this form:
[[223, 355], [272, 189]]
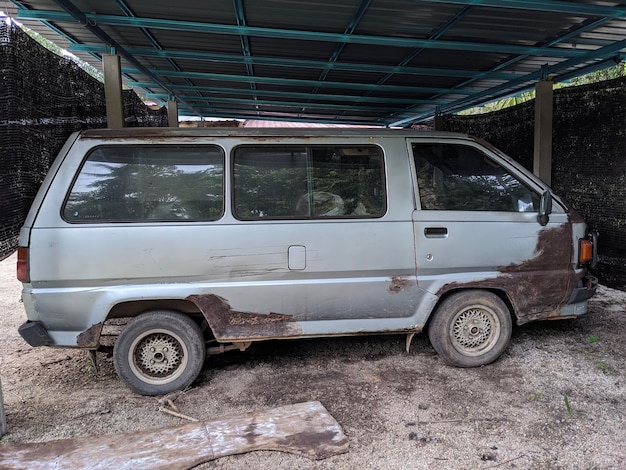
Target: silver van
[[209, 240]]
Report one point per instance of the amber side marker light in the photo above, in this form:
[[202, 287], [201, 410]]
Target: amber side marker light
[[585, 251], [22, 265]]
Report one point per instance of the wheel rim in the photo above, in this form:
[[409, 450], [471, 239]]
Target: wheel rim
[[475, 330], [158, 356]]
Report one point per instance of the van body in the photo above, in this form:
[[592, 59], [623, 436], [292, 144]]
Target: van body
[[223, 237]]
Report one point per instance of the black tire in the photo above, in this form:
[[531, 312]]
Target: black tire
[[159, 352], [471, 328]]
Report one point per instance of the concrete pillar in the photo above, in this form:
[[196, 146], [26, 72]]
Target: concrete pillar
[[542, 161], [113, 91], [172, 113]]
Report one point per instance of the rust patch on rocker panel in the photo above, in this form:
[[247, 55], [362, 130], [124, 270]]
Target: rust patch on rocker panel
[[90, 338], [231, 325], [539, 287]]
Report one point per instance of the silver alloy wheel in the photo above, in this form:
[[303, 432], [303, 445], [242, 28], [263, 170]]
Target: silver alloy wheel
[[475, 330], [158, 356]]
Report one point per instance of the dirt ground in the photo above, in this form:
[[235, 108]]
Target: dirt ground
[[555, 400]]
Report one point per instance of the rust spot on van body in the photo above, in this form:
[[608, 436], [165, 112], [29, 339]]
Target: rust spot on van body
[[231, 325], [399, 283], [539, 287], [90, 338]]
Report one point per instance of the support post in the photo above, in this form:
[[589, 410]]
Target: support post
[[3, 418], [172, 113], [439, 120], [113, 91], [542, 159]]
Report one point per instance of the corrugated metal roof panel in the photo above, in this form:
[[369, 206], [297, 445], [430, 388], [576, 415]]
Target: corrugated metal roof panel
[[356, 60]]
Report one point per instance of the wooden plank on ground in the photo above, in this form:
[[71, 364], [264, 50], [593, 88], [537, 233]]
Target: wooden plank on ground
[[305, 429]]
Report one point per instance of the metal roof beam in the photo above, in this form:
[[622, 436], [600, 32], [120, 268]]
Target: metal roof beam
[[340, 47], [291, 95], [287, 116], [155, 44], [245, 43], [524, 83], [285, 34], [295, 104], [575, 32], [299, 82], [436, 35], [300, 63], [554, 6]]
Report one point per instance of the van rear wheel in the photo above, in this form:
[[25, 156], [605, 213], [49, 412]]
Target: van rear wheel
[[159, 352], [471, 328]]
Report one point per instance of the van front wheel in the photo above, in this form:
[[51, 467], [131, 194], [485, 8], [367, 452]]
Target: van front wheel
[[471, 328], [159, 352]]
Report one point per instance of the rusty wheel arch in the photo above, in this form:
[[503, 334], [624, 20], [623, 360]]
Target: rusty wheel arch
[[501, 293], [123, 312]]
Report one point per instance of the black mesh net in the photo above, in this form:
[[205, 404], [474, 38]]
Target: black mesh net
[[43, 99]]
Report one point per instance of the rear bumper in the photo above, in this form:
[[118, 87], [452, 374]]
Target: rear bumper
[[35, 334], [585, 290]]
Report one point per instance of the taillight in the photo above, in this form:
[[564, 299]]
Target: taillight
[[22, 265]]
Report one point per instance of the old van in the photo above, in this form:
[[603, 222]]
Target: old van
[[209, 240]]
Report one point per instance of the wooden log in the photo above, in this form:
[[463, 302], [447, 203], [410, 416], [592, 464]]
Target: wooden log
[[305, 429]]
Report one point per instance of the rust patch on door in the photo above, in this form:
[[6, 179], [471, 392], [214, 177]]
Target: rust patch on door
[[90, 338], [231, 325], [539, 287]]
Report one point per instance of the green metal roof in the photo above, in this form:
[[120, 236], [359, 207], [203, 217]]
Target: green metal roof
[[375, 62]]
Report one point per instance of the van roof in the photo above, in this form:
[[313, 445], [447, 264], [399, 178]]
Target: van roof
[[152, 132]]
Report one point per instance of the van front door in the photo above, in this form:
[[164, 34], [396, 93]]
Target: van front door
[[476, 227]]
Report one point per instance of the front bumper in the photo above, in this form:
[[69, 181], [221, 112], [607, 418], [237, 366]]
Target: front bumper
[[585, 290]]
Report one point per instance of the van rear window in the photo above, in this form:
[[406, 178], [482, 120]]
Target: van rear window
[[148, 183], [308, 182]]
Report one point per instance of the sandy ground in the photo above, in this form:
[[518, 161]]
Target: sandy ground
[[555, 400]]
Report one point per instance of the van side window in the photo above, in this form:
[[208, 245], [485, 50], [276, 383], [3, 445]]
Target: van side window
[[307, 182], [144, 183], [461, 178]]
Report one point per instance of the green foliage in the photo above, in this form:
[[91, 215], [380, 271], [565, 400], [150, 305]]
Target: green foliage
[[604, 368], [570, 411], [609, 73], [51, 46], [593, 339]]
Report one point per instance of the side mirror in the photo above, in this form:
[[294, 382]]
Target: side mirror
[[545, 208]]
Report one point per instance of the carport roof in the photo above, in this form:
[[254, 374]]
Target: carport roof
[[375, 62]]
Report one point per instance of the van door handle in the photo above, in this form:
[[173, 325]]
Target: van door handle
[[436, 232]]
